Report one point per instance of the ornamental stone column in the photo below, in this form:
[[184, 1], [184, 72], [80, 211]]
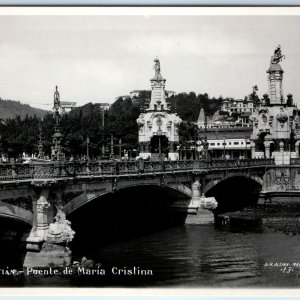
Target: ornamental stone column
[[252, 146], [200, 208], [281, 146], [267, 145], [42, 222], [195, 200]]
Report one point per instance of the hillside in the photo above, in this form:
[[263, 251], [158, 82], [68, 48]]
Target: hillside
[[10, 108]]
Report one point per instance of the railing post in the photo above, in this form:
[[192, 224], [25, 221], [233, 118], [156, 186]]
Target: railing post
[[13, 168], [56, 167], [32, 170], [87, 168]]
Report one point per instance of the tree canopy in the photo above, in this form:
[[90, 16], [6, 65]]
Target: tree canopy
[[19, 135]]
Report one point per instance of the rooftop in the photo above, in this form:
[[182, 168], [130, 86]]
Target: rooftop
[[227, 133]]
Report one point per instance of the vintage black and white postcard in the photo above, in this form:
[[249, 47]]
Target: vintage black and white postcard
[[149, 147]]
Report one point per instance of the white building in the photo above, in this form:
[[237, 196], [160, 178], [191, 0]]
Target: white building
[[238, 105], [67, 106], [275, 122], [158, 127]]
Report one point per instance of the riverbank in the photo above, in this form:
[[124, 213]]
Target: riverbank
[[278, 217]]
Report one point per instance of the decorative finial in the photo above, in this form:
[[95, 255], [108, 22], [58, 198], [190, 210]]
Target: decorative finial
[[277, 57], [157, 67], [255, 88], [56, 99]]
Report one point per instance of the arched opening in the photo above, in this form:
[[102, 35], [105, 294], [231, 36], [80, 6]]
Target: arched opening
[[259, 145], [272, 148], [235, 193], [127, 213], [159, 146]]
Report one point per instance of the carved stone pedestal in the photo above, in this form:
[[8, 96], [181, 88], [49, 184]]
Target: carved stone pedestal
[[50, 255], [47, 243], [203, 216]]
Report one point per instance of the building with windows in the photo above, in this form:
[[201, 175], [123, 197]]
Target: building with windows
[[67, 106], [238, 105], [228, 142]]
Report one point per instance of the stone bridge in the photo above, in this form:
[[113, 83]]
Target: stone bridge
[[32, 193]]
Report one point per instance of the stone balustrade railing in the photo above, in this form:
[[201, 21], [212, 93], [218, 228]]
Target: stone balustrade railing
[[58, 169]]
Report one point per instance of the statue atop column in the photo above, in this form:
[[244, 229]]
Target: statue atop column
[[56, 99], [277, 56], [157, 67]]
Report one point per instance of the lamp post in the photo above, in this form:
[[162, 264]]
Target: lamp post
[[224, 149], [159, 132], [120, 149], [112, 146], [56, 151], [87, 148], [205, 142], [103, 146], [0, 148]]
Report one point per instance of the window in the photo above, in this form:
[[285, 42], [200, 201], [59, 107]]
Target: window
[[229, 143], [155, 107], [235, 143], [212, 144], [218, 144]]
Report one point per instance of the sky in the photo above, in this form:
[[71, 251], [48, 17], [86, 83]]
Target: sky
[[98, 58]]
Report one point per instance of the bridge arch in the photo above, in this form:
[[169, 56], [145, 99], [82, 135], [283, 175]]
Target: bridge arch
[[85, 198], [17, 213], [125, 213], [234, 192], [212, 183]]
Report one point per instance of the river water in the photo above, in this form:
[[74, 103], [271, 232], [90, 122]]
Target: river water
[[193, 256]]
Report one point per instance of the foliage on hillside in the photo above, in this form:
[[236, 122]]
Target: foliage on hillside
[[10, 109]]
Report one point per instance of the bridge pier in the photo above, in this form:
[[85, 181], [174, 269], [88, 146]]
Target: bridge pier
[[199, 209], [41, 252]]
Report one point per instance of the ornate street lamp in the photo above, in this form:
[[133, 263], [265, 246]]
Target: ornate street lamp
[[120, 149], [87, 148], [40, 145], [56, 152], [224, 149], [205, 142], [112, 154], [159, 133]]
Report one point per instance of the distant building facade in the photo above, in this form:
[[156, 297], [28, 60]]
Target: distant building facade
[[67, 106], [238, 105], [226, 139]]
